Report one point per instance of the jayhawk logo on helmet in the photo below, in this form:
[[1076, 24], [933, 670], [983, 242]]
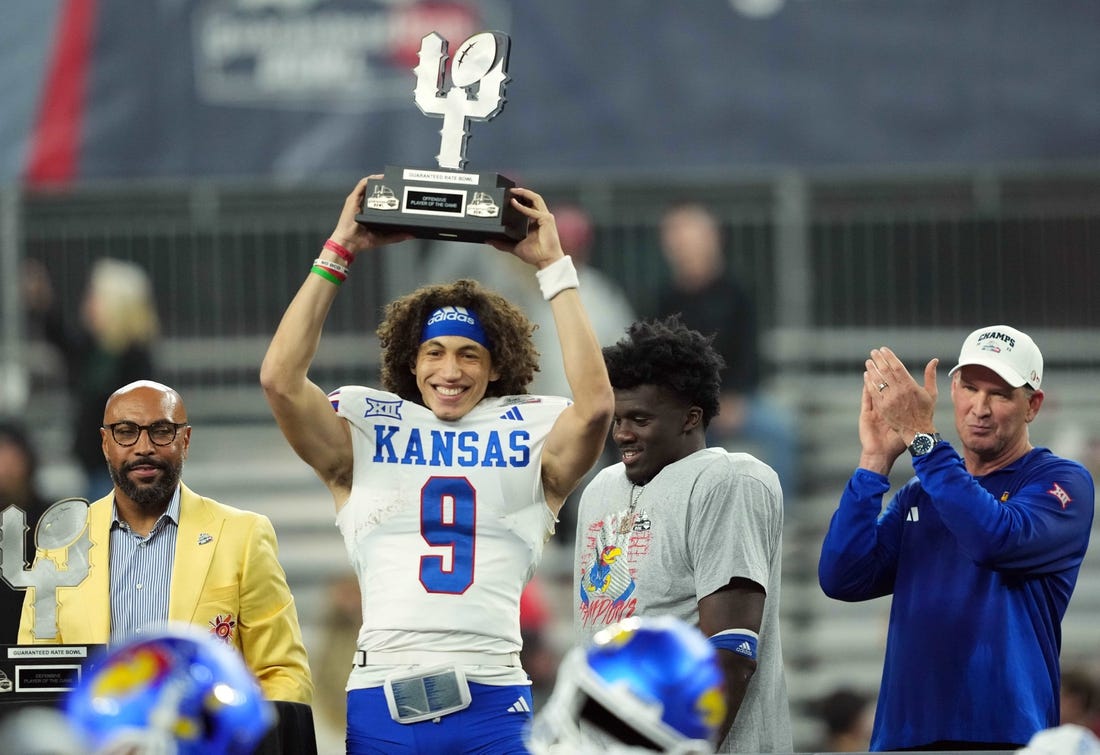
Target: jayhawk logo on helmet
[[649, 683], [176, 689]]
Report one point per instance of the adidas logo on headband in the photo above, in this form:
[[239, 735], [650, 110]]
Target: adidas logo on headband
[[454, 321]]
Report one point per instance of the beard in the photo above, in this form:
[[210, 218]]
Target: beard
[[155, 496]]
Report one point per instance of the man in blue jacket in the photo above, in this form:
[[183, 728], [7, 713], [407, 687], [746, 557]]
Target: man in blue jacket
[[980, 550]]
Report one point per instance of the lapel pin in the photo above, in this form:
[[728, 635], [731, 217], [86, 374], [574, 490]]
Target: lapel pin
[[204, 538]]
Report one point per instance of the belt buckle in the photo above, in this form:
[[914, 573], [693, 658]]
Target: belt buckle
[[428, 693]]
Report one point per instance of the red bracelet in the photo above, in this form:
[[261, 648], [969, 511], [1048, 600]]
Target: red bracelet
[[340, 251]]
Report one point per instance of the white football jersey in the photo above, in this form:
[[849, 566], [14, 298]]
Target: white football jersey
[[445, 523]]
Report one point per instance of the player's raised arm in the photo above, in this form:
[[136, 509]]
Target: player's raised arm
[[580, 432], [301, 408]]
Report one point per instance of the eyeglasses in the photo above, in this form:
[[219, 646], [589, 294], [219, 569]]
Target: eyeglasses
[[161, 433]]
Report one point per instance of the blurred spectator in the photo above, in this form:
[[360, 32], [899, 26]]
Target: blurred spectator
[[18, 487], [111, 346], [847, 716], [607, 306], [1080, 699], [711, 299], [343, 616], [539, 655]]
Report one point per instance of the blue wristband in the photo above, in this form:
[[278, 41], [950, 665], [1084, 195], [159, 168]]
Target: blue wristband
[[740, 641]]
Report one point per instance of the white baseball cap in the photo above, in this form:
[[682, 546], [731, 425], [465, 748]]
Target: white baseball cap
[[1007, 351], [1058, 740]]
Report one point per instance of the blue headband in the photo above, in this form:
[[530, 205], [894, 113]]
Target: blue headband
[[454, 321]]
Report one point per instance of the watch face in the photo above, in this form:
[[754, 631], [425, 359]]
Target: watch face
[[921, 444]]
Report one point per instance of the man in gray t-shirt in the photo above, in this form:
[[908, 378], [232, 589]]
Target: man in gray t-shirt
[[680, 529]]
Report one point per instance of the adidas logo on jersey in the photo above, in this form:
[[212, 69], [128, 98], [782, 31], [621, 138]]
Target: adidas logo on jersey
[[513, 414], [744, 649], [519, 706]]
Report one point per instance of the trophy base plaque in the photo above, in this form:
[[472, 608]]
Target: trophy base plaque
[[42, 674], [443, 204]]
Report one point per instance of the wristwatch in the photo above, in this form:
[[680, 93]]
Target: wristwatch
[[923, 443]]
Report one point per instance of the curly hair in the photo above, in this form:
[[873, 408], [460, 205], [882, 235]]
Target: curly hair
[[668, 354], [506, 326]]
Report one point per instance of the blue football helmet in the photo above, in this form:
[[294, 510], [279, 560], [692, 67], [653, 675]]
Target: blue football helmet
[[178, 691], [642, 685]]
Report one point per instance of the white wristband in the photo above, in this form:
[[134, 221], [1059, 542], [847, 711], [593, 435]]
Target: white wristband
[[556, 277]]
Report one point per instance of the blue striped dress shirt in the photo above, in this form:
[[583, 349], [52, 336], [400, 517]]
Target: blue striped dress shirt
[[141, 574]]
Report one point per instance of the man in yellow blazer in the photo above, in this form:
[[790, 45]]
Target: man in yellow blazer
[[154, 551]]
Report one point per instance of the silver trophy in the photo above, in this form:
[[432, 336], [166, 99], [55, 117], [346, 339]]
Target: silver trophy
[[451, 203], [41, 673], [62, 529]]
